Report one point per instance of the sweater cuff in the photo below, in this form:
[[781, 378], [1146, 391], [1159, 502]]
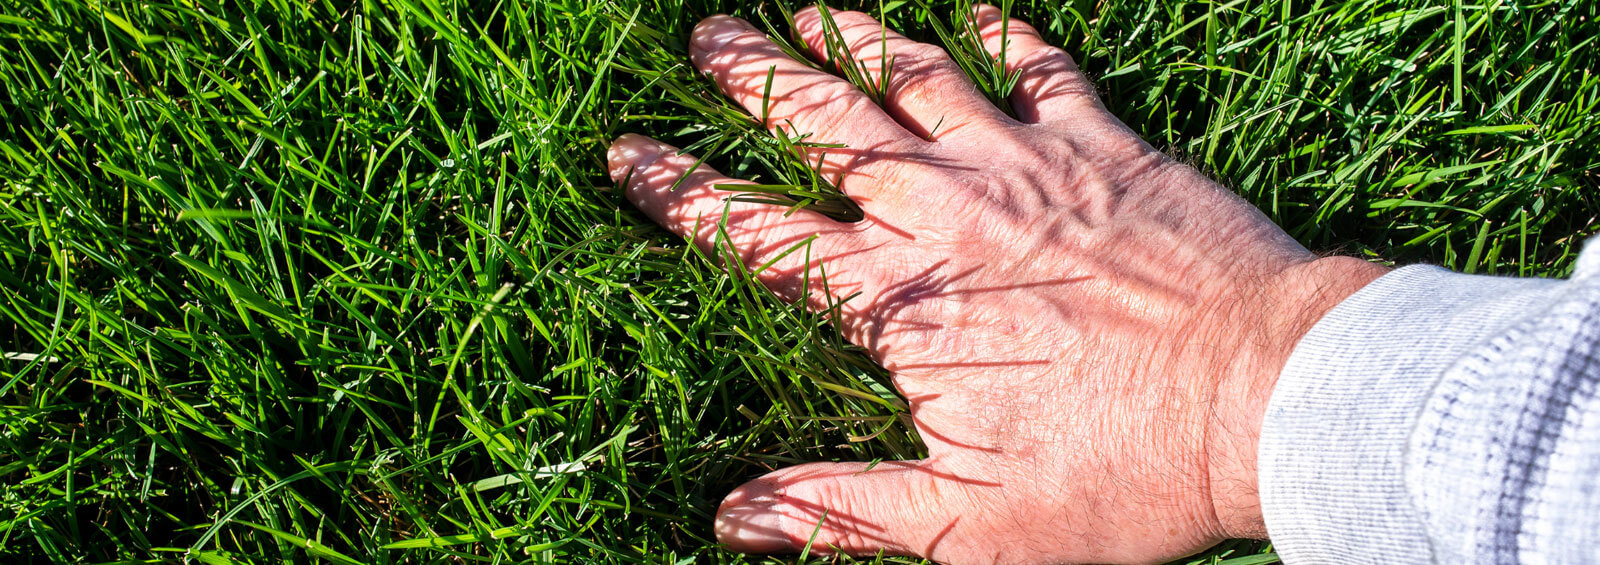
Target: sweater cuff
[[1334, 437]]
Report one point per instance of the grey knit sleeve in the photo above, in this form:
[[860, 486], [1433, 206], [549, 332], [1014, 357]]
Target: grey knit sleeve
[[1439, 417]]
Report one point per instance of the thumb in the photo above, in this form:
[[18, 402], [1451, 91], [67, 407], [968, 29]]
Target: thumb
[[855, 508]]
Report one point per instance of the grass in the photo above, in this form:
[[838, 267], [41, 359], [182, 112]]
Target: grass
[[347, 281]]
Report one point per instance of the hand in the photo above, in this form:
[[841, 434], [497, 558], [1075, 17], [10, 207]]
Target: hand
[[1087, 331]]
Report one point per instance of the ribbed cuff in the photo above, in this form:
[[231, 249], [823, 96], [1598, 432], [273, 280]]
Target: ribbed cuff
[[1333, 442]]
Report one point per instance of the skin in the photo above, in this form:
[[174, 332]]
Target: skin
[[1087, 330]]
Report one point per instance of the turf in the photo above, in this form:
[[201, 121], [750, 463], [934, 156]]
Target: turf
[[297, 280]]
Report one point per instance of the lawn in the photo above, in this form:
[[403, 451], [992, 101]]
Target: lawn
[[346, 280]]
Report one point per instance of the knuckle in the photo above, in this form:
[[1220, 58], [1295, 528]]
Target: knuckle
[[832, 100], [1053, 69], [929, 80], [921, 52], [1048, 60], [941, 81], [843, 525], [851, 21], [745, 219]]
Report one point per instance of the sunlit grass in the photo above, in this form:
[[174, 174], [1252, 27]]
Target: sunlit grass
[[348, 280]]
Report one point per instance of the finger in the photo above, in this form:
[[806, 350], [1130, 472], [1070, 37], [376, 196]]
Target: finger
[[1049, 86], [801, 99], [926, 91], [695, 208], [851, 508]]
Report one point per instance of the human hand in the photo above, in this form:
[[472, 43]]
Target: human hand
[[1087, 331]]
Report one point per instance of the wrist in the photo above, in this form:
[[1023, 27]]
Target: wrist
[[1289, 304]]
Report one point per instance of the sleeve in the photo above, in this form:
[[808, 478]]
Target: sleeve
[[1440, 417]]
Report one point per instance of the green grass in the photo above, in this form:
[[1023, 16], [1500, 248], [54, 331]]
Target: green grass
[[347, 280]]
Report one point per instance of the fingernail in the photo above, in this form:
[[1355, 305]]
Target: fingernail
[[751, 522], [716, 31]]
